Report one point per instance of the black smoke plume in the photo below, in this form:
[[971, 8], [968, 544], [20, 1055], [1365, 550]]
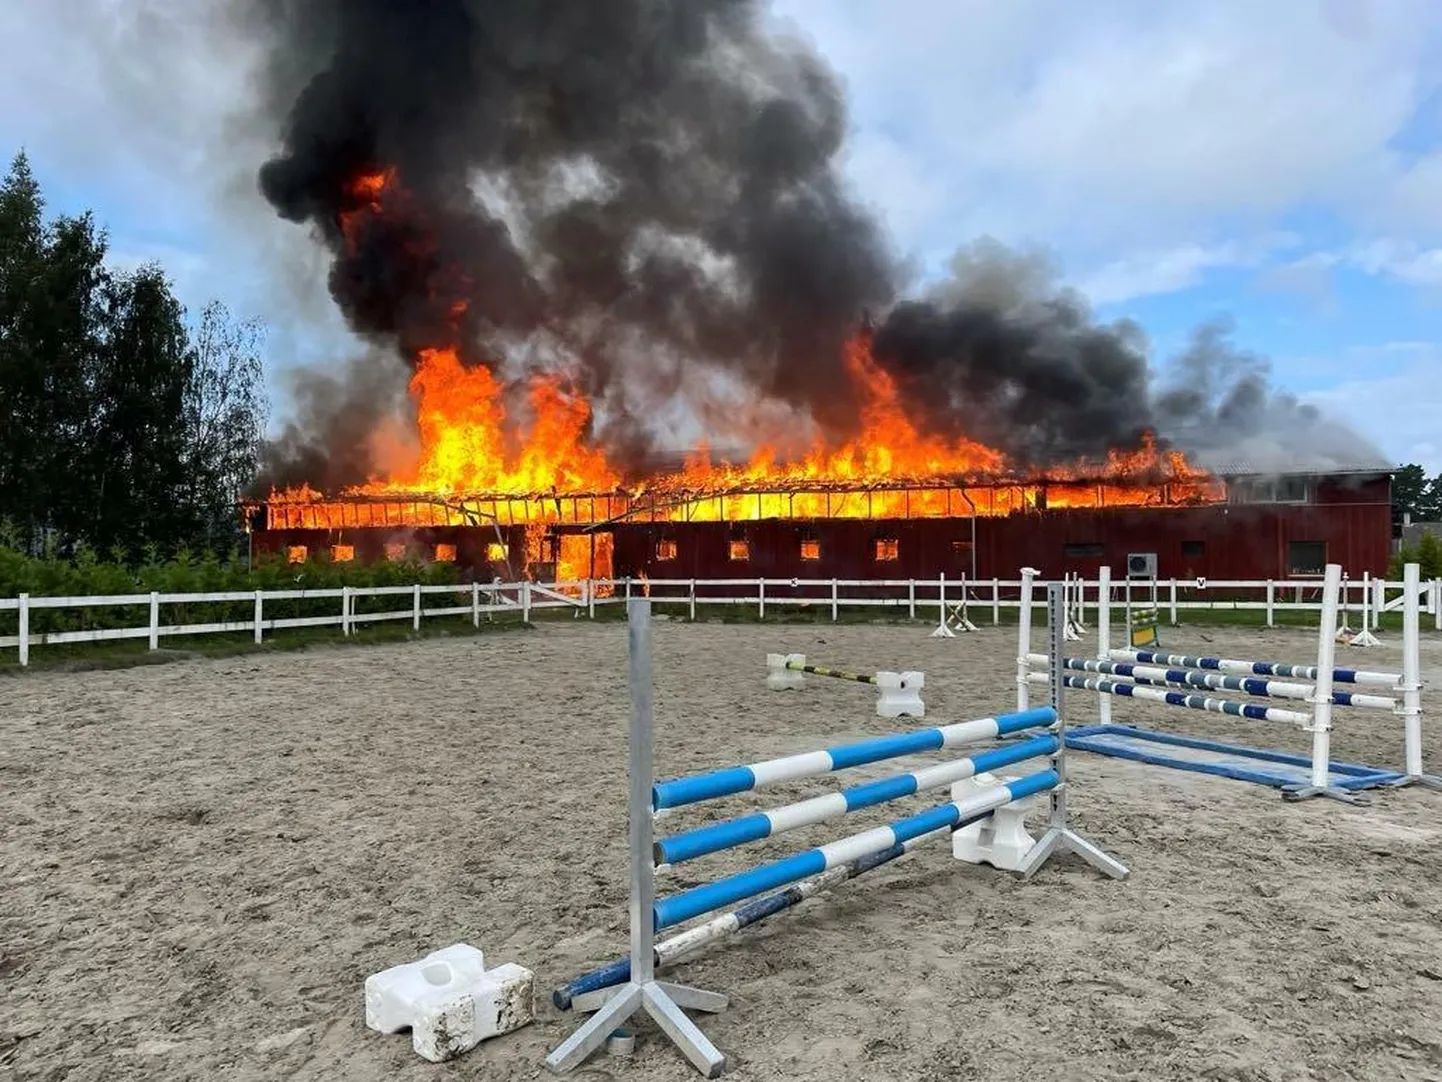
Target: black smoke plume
[[650, 189]]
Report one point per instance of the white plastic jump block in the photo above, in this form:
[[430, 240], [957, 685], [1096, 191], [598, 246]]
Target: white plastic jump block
[[779, 677], [449, 1001], [1001, 839], [899, 695]]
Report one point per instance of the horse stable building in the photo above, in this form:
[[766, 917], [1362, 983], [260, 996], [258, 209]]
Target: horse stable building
[[1236, 522]]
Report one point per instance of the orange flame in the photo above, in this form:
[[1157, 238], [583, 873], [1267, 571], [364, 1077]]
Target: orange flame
[[473, 456]]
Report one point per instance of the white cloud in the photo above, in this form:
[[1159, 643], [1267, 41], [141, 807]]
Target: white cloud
[[1114, 124], [1148, 273], [1401, 410]]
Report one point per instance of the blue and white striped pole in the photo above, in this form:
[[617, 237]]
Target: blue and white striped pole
[[1215, 681], [672, 950], [1259, 668], [741, 779], [708, 897], [1253, 711], [749, 828]]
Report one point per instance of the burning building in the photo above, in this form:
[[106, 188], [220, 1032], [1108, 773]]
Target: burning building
[[569, 238]]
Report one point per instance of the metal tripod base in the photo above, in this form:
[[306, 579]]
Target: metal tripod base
[[1427, 781], [1306, 792], [664, 1002], [1364, 638], [1063, 839], [943, 632]]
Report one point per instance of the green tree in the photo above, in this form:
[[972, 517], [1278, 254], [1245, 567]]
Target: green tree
[[225, 411], [137, 468], [120, 427], [50, 277], [1416, 495]]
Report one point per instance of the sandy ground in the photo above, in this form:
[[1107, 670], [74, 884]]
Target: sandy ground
[[201, 862]]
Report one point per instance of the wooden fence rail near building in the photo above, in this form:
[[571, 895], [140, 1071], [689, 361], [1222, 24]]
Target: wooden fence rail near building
[[257, 612]]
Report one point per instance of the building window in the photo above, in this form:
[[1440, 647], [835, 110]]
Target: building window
[[395, 550], [739, 550], [445, 554], [811, 550], [496, 552], [1306, 557], [1194, 550], [666, 550], [1081, 550], [886, 549], [342, 554], [295, 554], [1271, 490]]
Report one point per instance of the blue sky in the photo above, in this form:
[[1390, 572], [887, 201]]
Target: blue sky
[[1277, 163]]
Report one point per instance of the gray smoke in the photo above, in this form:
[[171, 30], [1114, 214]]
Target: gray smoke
[[1217, 402], [651, 188]]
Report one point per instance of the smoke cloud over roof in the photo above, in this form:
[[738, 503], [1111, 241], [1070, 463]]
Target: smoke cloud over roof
[[646, 195]]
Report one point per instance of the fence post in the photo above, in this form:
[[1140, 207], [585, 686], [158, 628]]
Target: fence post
[[691, 600], [1174, 602], [416, 607], [1437, 604], [833, 601], [1380, 603], [996, 602], [911, 599], [760, 599], [259, 617], [526, 599], [476, 603], [345, 610], [24, 629], [154, 620], [628, 587], [590, 599], [1271, 603]]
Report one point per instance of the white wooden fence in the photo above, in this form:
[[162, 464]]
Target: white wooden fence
[[917, 597]]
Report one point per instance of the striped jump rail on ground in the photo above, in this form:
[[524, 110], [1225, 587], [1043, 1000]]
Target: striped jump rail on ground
[[1125, 689], [1157, 676], [1258, 668], [741, 779], [672, 950], [681, 907], [839, 674]]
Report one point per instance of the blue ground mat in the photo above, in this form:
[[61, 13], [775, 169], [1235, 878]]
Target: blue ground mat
[[1240, 762]]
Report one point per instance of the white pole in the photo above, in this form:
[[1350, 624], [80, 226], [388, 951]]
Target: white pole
[[691, 600], [911, 599], [24, 629], [259, 617], [1412, 668], [1321, 726], [525, 600], [1271, 603], [1174, 602], [591, 599], [345, 610], [476, 601], [833, 601], [1104, 634], [1023, 639], [760, 599], [941, 600], [154, 620], [996, 602], [416, 607]]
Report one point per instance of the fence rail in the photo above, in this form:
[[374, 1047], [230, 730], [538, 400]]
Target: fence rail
[[918, 598]]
